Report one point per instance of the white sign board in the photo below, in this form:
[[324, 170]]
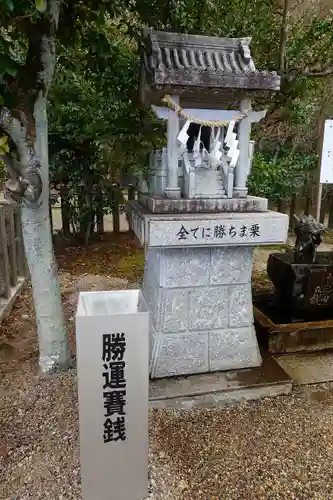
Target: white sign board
[[112, 371], [326, 168], [232, 229]]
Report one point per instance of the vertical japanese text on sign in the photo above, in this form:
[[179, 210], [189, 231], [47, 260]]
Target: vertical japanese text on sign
[[114, 387]]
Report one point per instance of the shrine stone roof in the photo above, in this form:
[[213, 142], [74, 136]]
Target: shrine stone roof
[[195, 66]]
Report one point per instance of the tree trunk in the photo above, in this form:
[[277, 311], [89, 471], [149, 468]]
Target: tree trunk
[[51, 330], [29, 184], [292, 210], [100, 220], [282, 206], [116, 219]]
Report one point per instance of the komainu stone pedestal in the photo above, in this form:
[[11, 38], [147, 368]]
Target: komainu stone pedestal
[[197, 285]]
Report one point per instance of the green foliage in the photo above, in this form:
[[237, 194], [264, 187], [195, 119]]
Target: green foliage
[[40, 5], [97, 130], [308, 48], [278, 178], [3, 172], [131, 264], [311, 43], [4, 149]]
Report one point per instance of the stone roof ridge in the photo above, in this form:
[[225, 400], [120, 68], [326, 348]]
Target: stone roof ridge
[[186, 52], [201, 68]]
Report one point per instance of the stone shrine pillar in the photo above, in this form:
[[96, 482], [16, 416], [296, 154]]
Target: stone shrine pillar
[[172, 189], [243, 165]]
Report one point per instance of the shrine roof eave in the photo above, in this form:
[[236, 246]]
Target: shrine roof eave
[[203, 97], [201, 79], [184, 64]]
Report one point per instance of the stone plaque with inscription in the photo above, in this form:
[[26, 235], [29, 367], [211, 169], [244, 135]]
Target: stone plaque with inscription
[[239, 229]]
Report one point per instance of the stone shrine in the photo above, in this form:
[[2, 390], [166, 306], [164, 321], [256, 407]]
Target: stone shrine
[[197, 223]]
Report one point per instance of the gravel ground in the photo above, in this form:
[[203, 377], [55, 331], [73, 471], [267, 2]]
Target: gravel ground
[[278, 448]]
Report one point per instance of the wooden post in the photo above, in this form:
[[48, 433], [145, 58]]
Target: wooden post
[[131, 192], [116, 219], [22, 267], [319, 201], [324, 204], [130, 197], [100, 220], [281, 206], [307, 199], [316, 173], [10, 227], [292, 210], [307, 208], [65, 210], [115, 209], [4, 258]]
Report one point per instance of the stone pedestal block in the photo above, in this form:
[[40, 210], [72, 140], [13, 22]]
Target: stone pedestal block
[[201, 310], [197, 285]]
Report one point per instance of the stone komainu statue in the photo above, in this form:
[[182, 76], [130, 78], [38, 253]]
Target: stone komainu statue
[[308, 233]]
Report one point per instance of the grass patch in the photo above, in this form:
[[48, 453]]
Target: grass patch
[[261, 281], [131, 266], [279, 247]]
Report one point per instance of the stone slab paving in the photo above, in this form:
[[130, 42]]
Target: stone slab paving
[[219, 388], [308, 368]]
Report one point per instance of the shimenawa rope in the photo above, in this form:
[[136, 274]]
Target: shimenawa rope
[[204, 123]]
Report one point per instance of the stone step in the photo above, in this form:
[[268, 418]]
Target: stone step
[[216, 193], [221, 388]]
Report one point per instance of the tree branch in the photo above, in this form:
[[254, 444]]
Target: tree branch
[[283, 37], [17, 132], [25, 175], [317, 74], [20, 18], [13, 167], [293, 74], [48, 46], [37, 73]]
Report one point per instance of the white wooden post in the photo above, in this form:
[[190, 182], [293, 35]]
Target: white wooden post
[[320, 196], [243, 165], [173, 190]]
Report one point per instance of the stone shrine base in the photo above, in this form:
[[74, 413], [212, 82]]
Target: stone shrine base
[[163, 205], [197, 285], [217, 389], [200, 304]]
